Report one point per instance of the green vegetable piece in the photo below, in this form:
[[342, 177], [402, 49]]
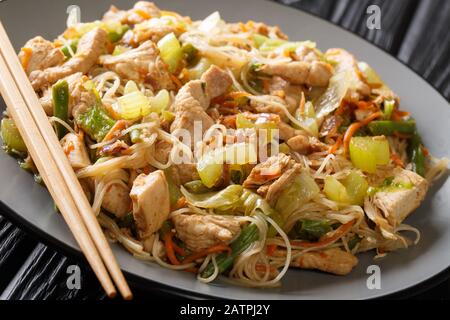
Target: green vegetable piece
[[389, 106], [73, 45], [115, 36], [248, 235], [356, 186], [174, 190], [190, 53], [196, 187], [11, 137], [354, 241], [388, 128], [60, 96], [310, 230], [368, 152], [416, 155], [95, 122]]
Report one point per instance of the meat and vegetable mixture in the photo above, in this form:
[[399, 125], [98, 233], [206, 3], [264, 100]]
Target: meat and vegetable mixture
[[336, 169]]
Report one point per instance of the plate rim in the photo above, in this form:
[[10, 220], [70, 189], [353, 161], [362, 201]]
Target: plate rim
[[405, 292]]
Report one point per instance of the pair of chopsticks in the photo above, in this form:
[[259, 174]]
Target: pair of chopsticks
[[55, 169]]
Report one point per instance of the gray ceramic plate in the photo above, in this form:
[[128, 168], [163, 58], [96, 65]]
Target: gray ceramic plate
[[31, 204]]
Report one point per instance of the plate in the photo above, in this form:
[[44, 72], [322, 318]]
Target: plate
[[31, 205]]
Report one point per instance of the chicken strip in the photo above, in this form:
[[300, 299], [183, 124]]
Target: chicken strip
[[306, 145], [268, 170], [90, 47], [75, 150], [335, 261], [40, 54], [151, 202], [142, 64], [397, 203], [194, 98], [200, 232], [282, 183], [316, 73], [142, 10]]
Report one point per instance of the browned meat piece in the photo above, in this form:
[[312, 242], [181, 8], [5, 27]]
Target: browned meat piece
[[316, 73], [306, 145], [345, 62], [90, 47], [200, 232], [194, 98], [335, 260], [283, 182], [267, 171], [142, 64], [40, 54], [217, 81], [75, 150], [117, 200], [397, 204], [151, 202], [142, 10], [292, 93], [287, 132]]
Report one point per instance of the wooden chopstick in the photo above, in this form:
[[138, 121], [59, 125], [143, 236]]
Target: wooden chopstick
[[62, 163], [51, 175]]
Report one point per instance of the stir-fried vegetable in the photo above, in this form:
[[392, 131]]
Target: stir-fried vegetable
[[389, 106], [117, 34], [174, 191], [302, 190], [388, 128], [335, 190], [332, 98], [198, 69], [248, 235], [196, 187], [416, 155], [221, 200], [368, 152], [356, 186], [73, 46], [210, 166], [11, 137], [190, 53], [129, 106], [310, 230], [95, 122], [263, 122], [170, 51], [353, 242], [60, 95], [157, 103]]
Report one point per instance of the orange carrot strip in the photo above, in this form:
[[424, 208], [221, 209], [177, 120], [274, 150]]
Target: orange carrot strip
[[115, 130], [336, 145], [397, 161], [214, 249], [28, 52], [357, 125], [270, 249], [168, 241]]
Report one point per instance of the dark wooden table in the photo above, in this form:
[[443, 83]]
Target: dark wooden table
[[415, 31]]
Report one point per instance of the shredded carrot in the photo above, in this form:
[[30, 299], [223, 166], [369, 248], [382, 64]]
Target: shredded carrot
[[147, 169], [179, 249], [229, 121], [115, 130], [214, 249], [238, 94], [425, 151], [69, 148], [327, 239], [398, 115], [181, 203], [263, 268], [336, 145], [397, 161], [356, 126], [230, 104], [28, 52], [364, 105], [168, 241], [176, 81], [142, 14], [270, 249]]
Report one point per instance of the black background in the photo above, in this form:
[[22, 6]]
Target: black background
[[415, 31]]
